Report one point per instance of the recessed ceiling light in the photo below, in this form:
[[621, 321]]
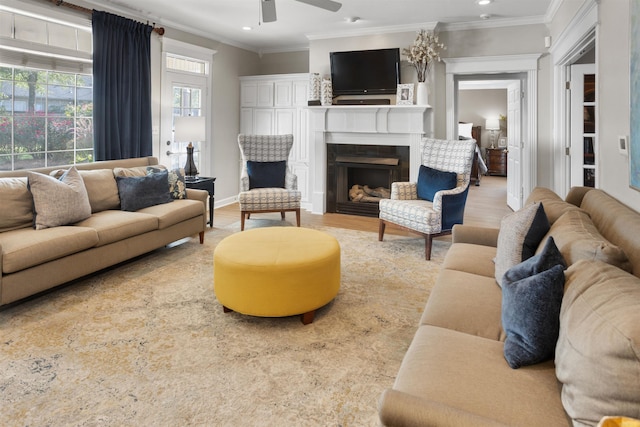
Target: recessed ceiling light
[[353, 19], [485, 16], [483, 2], [247, 28]]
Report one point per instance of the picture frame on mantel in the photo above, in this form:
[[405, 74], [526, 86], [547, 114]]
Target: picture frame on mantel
[[404, 94], [634, 86]]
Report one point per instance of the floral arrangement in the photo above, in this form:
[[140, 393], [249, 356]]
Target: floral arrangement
[[424, 50]]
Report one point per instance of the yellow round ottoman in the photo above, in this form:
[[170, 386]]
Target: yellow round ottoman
[[276, 272]]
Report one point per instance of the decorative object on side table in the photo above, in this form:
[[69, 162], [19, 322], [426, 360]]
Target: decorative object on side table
[[190, 129], [421, 54], [209, 185], [492, 125], [404, 94]]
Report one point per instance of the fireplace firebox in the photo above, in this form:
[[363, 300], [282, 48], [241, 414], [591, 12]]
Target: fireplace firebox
[[359, 175]]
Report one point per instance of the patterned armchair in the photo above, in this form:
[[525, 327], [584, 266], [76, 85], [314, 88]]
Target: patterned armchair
[[431, 219], [267, 148]]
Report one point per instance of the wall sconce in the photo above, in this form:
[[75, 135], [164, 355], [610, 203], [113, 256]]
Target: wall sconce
[[189, 129], [492, 125]]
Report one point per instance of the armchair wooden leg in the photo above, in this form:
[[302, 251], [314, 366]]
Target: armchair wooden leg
[[381, 227], [428, 240], [242, 221], [282, 215], [298, 217]]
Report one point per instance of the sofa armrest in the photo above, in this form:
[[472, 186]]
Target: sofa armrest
[[476, 235], [195, 194], [396, 408]]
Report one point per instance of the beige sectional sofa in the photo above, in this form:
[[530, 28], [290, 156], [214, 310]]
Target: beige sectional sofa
[[455, 373], [34, 260]]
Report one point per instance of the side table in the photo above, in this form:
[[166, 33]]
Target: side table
[[204, 183]]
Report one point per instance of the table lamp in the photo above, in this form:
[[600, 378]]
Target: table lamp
[[492, 125], [189, 129]]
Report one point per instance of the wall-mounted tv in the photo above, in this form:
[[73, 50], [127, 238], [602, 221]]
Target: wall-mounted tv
[[365, 72]]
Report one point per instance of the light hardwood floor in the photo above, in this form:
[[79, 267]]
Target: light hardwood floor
[[486, 205]]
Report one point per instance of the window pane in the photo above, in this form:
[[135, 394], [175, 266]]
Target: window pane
[[61, 99], [84, 80], [5, 163], [85, 102], [5, 135], [62, 36], [6, 24], [85, 43], [84, 156], [29, 161], [29, 134], [84, 133], [6, 96], [60, 134], [60, 158]]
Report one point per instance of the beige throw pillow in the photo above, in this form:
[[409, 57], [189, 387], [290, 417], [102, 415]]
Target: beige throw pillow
[[597, 354], [58, 201]]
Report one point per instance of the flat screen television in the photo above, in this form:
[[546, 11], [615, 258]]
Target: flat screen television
[[365, 72]]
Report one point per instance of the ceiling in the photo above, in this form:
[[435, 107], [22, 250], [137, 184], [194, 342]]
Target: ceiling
[[297, 23]]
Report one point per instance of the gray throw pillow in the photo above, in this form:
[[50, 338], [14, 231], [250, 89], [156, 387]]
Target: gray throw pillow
[[58, 201], [138, 192], [520, 234], [531, 301]]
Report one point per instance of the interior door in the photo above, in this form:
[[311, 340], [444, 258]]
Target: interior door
[[514, 145], [583, 147]]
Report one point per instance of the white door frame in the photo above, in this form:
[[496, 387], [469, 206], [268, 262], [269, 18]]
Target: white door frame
[[578, 36], [528, 64], [168, 78]]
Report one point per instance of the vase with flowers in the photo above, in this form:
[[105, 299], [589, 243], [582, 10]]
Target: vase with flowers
[[424, 51]]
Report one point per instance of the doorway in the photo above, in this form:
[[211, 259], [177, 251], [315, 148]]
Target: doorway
[[522, 71]]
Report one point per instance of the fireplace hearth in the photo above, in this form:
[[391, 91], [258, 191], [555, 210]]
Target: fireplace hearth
[[372, 167]]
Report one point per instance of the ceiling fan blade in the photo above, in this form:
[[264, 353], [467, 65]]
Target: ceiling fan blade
[[268, 10], [330, 5]]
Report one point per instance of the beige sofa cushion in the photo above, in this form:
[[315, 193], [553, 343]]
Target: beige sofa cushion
[[129, 172], [174, 212], [554, 206], [469, 373], [598, 350], [467, 303], [577, 238], [27, 247], [16, 209], [475, 259], [101, 188], [113, 225]]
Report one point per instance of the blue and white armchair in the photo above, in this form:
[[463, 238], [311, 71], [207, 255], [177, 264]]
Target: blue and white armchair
[[271, 152], [431, 218]]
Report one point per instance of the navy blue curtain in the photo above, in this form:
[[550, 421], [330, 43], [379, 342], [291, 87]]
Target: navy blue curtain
[[121, 87]]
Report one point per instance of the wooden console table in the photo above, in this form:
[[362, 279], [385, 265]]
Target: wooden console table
[[497, 161]]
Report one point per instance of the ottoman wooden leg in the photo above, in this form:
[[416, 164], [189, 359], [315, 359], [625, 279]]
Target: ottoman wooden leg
[[307, 317]]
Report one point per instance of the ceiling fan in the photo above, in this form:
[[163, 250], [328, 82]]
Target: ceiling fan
[[269, 7]]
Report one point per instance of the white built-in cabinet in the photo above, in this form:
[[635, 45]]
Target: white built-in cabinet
[[274, 105]]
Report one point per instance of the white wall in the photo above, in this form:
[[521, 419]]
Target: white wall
[[612, 68]]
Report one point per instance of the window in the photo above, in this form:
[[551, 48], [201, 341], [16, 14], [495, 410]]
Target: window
[[46, 89], [45, 118]]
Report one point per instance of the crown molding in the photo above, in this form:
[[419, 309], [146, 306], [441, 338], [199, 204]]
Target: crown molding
[[493, 23], [429, 26]]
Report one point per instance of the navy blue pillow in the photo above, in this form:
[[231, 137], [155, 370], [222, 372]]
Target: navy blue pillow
[[531, 299], [138, 192], [266, 174], [430, 181]]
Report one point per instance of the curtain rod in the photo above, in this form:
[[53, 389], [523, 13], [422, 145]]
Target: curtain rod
[[158, 30]]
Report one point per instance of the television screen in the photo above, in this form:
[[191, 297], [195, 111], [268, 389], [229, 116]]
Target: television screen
[[365, 72]]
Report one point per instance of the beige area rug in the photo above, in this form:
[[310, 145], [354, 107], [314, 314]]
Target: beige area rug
[[147, 344]]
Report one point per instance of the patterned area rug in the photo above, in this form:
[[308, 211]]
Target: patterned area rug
[[147, 343]]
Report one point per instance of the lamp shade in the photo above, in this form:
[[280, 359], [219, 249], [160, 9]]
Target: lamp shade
[[492, 124], [189, 129]]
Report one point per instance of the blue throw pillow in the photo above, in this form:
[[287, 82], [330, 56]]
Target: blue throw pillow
[[138, 192], [531, 299], [430, 181], [266, 174]]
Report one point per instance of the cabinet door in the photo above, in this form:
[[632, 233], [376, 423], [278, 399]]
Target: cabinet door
[[263, 121], [246, 121], [248, 94], [265, 94], [283, 94], [301, 141], [300, 93]]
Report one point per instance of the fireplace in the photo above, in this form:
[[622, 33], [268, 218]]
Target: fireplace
[[359, 175]]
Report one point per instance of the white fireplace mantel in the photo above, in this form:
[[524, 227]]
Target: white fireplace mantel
[[402, 125]]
